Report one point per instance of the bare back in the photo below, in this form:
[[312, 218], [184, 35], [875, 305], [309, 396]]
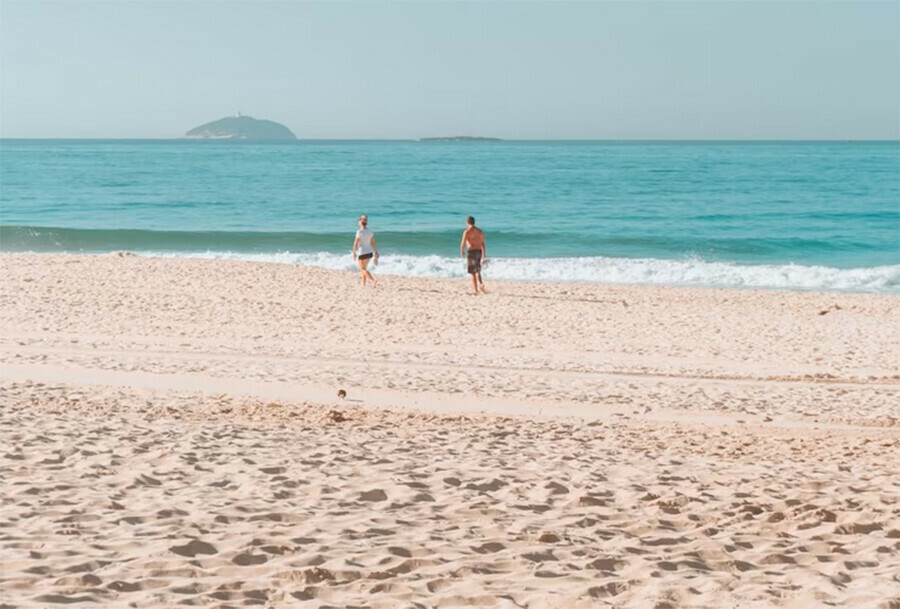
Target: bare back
[[473, 238]]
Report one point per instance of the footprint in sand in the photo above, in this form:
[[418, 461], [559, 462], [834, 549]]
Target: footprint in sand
[[606, 564], [610, 589], [193, 548], [62, 599], [120, 586], [546, 556], [373, 495], [246, 559]]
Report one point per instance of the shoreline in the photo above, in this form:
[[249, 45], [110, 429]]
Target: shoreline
[[173, 435], [659, 333], [574, 270]]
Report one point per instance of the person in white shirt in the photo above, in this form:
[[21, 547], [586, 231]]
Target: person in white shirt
[[364, 250]]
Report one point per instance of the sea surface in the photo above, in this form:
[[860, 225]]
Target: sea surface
[[783, 215]]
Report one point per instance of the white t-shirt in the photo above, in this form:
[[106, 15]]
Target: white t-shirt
[[365, 241]]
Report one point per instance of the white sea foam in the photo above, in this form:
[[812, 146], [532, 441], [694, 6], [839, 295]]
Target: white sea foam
[[642, 271]]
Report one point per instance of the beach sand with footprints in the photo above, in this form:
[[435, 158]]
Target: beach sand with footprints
[[172, 436]]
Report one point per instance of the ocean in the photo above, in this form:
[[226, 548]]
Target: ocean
[[773, 215]]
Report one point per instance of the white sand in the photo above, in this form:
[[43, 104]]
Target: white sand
[[171, 436]]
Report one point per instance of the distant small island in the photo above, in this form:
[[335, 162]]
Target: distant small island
[[240, 127], [460, 138]]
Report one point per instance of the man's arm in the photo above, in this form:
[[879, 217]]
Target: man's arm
[[462, 244], [483, 247]]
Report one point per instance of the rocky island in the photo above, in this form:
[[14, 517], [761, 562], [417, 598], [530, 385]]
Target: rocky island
[[241, 127]]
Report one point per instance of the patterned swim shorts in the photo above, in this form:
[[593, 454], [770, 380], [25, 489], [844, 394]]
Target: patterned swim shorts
[[474, 260]]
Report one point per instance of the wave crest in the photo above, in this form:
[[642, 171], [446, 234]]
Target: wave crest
[[630, 271]]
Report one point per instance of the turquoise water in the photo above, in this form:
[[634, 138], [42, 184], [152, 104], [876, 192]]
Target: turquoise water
[[795, 215]]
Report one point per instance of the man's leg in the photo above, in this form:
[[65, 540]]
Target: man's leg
[[481, 283], [474, 282]]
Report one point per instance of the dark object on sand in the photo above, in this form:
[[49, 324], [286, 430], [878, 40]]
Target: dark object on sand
[[342, 394]]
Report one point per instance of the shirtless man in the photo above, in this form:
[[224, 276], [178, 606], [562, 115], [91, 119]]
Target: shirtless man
[[473, 240]]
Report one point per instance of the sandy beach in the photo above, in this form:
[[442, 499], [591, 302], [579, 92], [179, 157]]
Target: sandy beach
[[172, 436]]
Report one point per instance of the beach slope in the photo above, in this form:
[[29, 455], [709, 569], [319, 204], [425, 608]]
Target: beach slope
[[172, 435]]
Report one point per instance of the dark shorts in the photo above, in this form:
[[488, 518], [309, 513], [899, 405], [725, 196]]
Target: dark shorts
[[364, 256], [474, 260]]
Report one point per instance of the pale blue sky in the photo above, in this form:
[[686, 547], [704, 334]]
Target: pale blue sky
[[524, 70]]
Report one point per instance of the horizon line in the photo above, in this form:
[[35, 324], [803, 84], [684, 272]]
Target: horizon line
[[437, 139]]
